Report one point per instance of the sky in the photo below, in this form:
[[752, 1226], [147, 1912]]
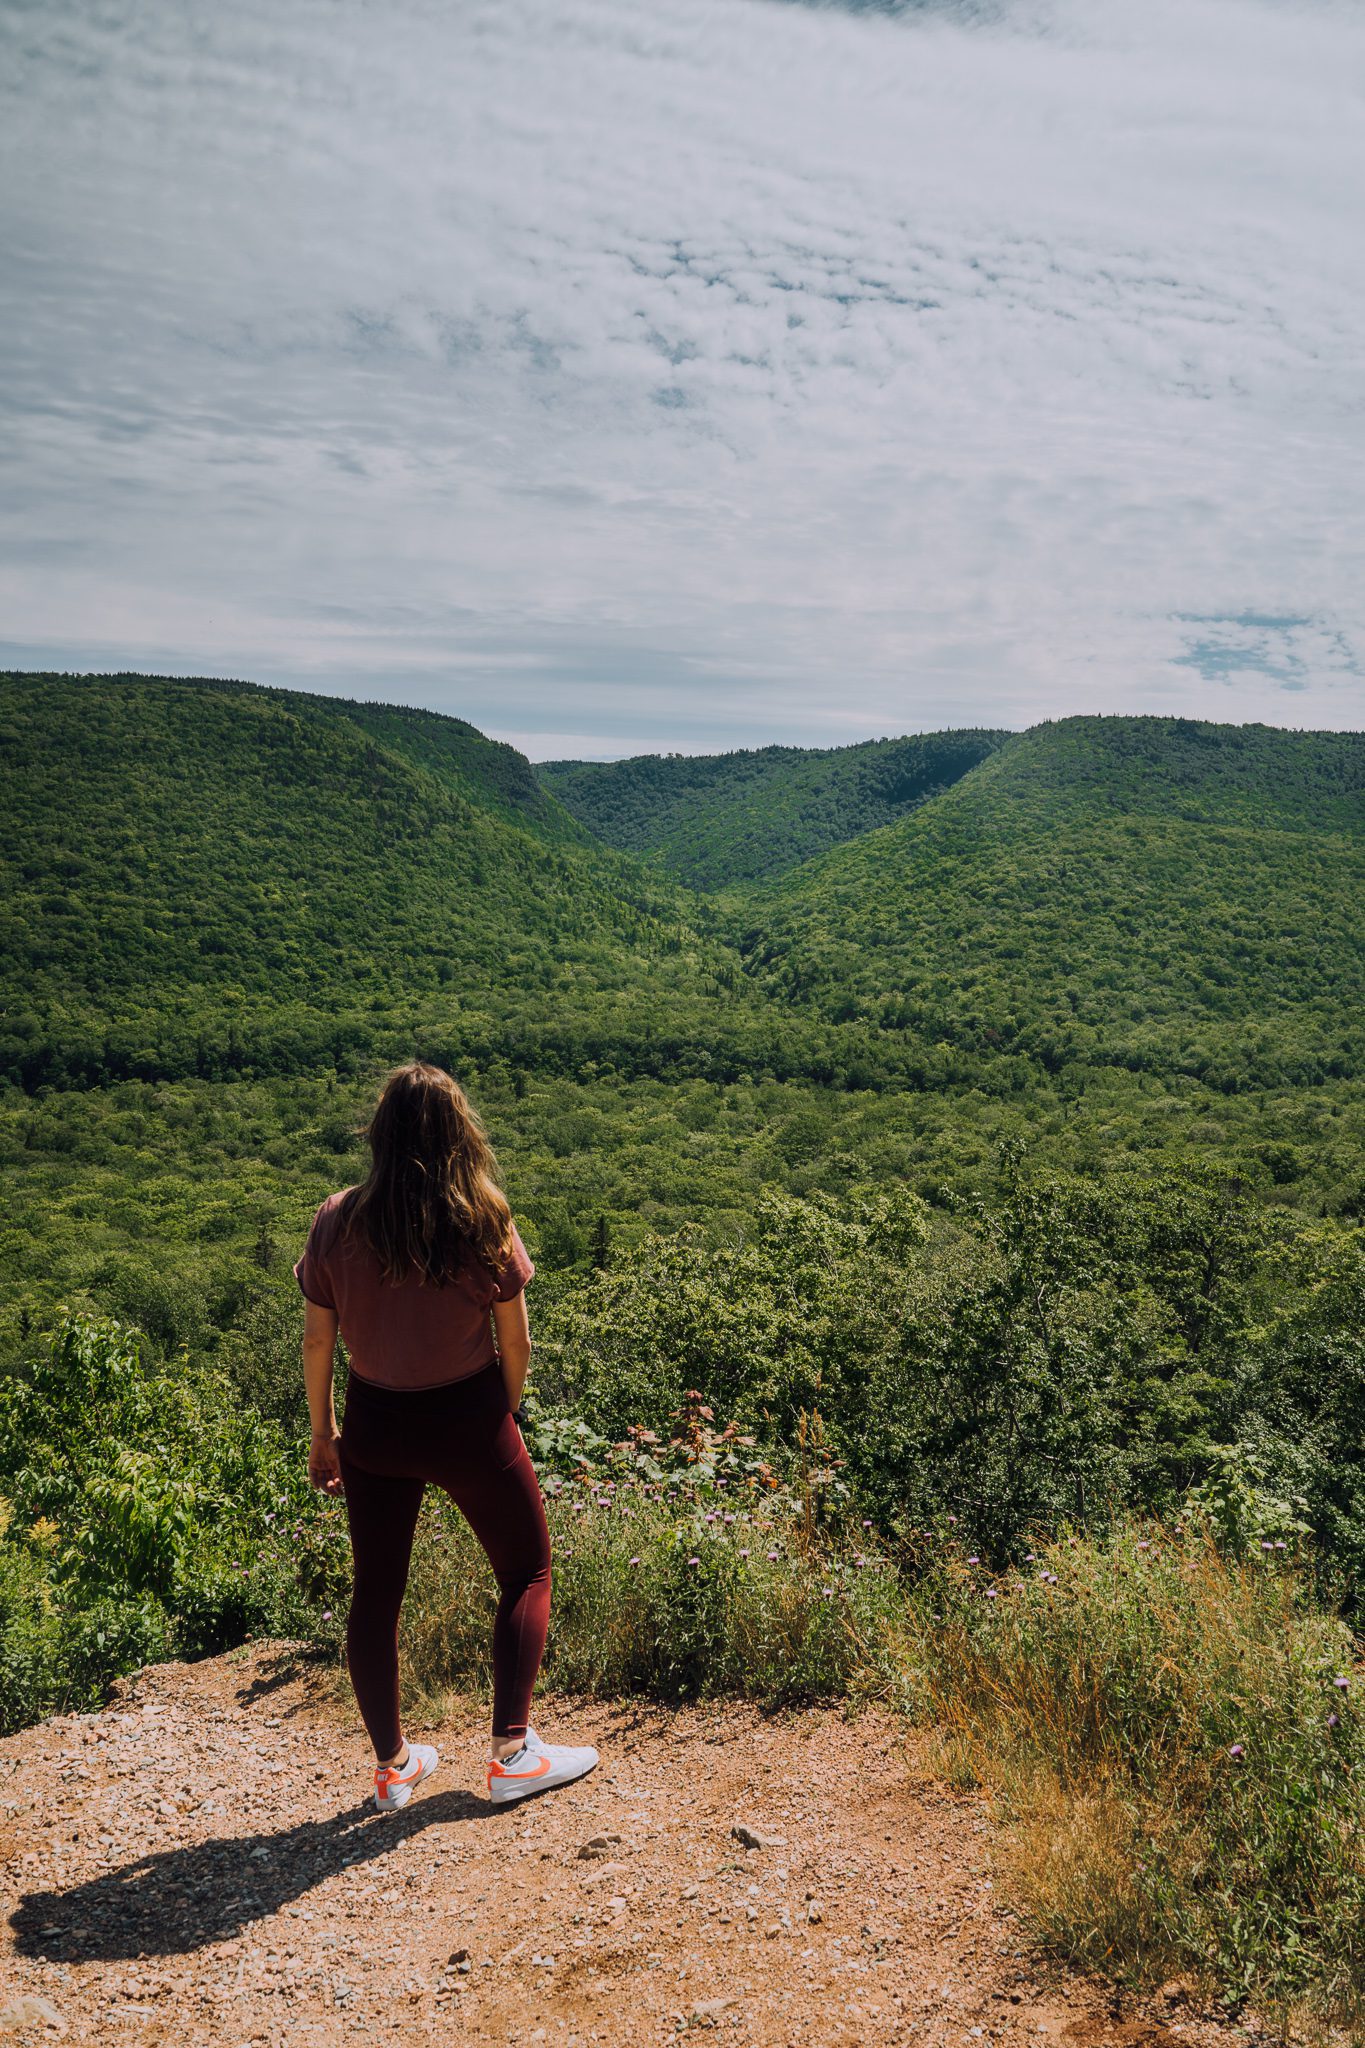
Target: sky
[[694, 375]]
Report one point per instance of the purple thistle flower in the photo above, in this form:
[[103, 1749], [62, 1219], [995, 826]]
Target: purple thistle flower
[[1144, 1545], [973, 1560], [1267, 1546], [772, 1557], [867, 1525], [1279, 1543], [1235, 1749], [694, 1560], [744, 1553], [1341, 1681], [990, 1593], [1334, 1720], [635, 1560], [327, 1614]]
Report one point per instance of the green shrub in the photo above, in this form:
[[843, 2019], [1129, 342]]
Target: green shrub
[[148, 1514], [676, 1593]]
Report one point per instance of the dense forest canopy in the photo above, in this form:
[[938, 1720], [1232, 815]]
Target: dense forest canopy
[[745, 816]]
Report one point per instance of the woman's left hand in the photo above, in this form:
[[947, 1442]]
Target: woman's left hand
[[324, 1463]]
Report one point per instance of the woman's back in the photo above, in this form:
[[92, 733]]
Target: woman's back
[[410, 1333]]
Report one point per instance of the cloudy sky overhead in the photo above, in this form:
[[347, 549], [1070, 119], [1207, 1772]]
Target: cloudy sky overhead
[[691, 375]]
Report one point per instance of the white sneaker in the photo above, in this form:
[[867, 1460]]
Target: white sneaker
[[393, 1788], [537, 1767]]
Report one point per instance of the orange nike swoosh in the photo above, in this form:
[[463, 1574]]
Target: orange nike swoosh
[[539, 1772]]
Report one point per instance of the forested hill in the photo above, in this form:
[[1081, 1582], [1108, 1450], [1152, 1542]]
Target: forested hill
[[211, 878], [747, 816], [1153, 893]]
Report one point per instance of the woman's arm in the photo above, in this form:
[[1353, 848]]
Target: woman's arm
[[513, 1333], [319, 1346]]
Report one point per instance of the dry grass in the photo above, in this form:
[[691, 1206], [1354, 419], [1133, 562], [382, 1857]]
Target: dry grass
[[1166, 1730]]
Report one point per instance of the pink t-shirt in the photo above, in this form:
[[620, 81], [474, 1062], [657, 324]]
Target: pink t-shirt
[[405, 1334]]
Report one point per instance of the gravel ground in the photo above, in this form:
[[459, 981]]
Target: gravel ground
[[200, 1864]]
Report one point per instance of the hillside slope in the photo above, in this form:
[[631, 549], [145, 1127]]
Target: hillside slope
[[1152, 892], [719, 818], [202, 877]]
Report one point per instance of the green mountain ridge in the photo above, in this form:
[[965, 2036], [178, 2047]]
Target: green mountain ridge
[[212, 879], [1151, 892], [202, 877], [751, 815]]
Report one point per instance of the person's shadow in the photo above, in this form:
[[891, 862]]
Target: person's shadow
[[173, 1902]]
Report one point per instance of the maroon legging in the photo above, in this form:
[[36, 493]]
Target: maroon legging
[[461, 1437]]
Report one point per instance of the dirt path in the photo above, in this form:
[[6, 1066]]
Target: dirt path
[[246, 1893]]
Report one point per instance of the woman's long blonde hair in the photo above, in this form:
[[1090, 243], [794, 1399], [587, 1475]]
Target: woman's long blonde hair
[[430, 1198]]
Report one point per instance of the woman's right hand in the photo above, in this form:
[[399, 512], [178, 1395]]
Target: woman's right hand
[[324, 1463]]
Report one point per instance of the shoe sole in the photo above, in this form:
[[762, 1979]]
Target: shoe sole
[[539, 1788]]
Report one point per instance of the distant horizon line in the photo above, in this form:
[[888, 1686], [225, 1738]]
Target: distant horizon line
[[703, 753]]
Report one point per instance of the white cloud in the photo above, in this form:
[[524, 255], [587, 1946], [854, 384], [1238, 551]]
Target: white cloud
[[721, 371]]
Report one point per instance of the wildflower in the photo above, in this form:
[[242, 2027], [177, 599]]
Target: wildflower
[[711, 1518], [827, 1592], [952, 1519], [1235, 1749], [1267, 1546], [1341, 1681], [772, 1557], [729, 1518], [694, 1560], [990, 1593], [1144, 1545], [635, 1560], [1279, 1543], [973, 1560], [1334, 1720], [1030, 1558], [327, 1614], [867, 1525], [744, 1553]]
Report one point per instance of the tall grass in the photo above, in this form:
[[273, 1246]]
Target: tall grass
[[675, 1596], [1178, 1738]]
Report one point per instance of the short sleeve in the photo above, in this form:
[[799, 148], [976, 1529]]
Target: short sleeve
[[516, 1270], [311, 1272]]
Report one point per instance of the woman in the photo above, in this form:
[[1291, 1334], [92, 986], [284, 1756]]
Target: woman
[[420, 1268]]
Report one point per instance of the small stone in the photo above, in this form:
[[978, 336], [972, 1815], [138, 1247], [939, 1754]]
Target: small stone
[[755, 1838], [600, 1845], [1175, 1992], [815, 1912]]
